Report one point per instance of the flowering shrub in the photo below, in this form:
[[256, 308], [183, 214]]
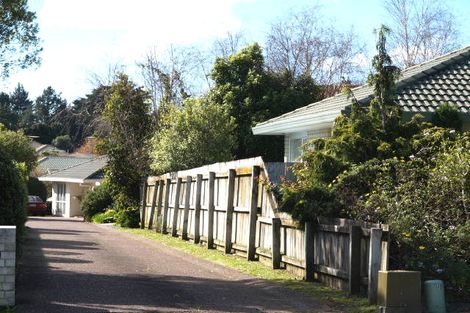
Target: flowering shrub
[[426, 200]]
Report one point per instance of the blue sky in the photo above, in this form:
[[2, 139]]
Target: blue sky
[[84, 37]]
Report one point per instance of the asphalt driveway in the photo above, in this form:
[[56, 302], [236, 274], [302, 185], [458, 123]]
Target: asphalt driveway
[[71, 266]]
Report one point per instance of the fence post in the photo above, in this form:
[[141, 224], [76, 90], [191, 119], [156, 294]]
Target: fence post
[[152, 209], [309, 251], [251, 250], [176, 208], [197, 209], [144, 203], [166, 206], [385, 247], [229, 212], [187, 195], [276, 242], [159, 205], [375, 258], [355, 233], [210, 212]]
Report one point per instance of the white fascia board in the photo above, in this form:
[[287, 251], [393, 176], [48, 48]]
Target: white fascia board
[[296, 124], [92, 181], [61, 179]]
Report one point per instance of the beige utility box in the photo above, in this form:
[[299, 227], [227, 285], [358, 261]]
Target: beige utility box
[[399, 292]]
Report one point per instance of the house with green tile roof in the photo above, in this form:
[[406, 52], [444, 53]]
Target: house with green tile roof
[[51, 164], [70, 183], [420, 89]]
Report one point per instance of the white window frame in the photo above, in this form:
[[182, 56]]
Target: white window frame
[[61, 198], [295, 152]]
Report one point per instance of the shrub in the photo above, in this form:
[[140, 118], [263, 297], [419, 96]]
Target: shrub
[[13, 195], [37, 188], [96, 201], [425, 200], [129, 217], [107, 217], [447, 115], [63, 142]]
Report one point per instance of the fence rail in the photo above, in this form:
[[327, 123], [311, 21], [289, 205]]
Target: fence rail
[[233, 210]]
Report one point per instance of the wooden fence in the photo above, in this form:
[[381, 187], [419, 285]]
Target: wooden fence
[[233, 210]]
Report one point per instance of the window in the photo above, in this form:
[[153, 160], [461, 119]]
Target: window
[[295, 148], [61, 191]]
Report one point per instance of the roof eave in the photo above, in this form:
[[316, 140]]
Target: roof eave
[[62, 179], [299, 123]]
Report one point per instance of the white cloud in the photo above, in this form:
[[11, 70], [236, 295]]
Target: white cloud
[[86, 36]]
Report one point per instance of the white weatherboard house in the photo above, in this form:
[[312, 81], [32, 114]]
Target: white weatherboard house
[[70, 184], [420, 89]]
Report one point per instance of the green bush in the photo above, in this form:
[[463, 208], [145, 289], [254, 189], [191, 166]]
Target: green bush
[[107, 217], [424, 199], [447, 115], [129, 217], [37, 188], [63, 142], [96, 201], [13, 195]]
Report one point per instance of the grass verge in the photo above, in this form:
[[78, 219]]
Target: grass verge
[[336, 299]]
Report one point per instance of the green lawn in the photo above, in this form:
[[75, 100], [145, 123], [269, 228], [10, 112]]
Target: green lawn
[[334, 298]]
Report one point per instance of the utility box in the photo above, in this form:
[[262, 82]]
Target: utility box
[[399, 292]]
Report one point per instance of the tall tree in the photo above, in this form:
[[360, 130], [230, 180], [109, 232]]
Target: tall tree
[[82, 118], [48, 104], [22, 107], [240, 83], [19, 41], [421, 30], [7, 116], [226, 46], [383, 80], [254, 94], [173, 75], [129, 125], [304, 44]]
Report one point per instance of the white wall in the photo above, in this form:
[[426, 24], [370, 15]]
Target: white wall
[[73, 197], [76, 194]]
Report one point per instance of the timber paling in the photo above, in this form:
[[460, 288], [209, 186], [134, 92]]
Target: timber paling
[[234, 211]]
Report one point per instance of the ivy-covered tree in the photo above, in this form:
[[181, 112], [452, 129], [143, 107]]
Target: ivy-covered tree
[[199, 132], [254, 94], [128, 124]]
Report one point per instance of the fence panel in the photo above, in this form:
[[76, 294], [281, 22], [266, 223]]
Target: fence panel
[[253, 233]]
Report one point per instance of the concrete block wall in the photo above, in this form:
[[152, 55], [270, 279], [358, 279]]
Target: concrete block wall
[[7, 265]]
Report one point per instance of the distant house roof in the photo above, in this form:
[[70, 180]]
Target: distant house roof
[[88, 171], [41, 148], [51, 164], [420, 88]]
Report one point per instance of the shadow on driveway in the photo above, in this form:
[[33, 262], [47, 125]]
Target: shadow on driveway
[[83, 268]]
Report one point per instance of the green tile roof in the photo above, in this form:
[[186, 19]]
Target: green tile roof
[[53, 164], [89, 170]]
